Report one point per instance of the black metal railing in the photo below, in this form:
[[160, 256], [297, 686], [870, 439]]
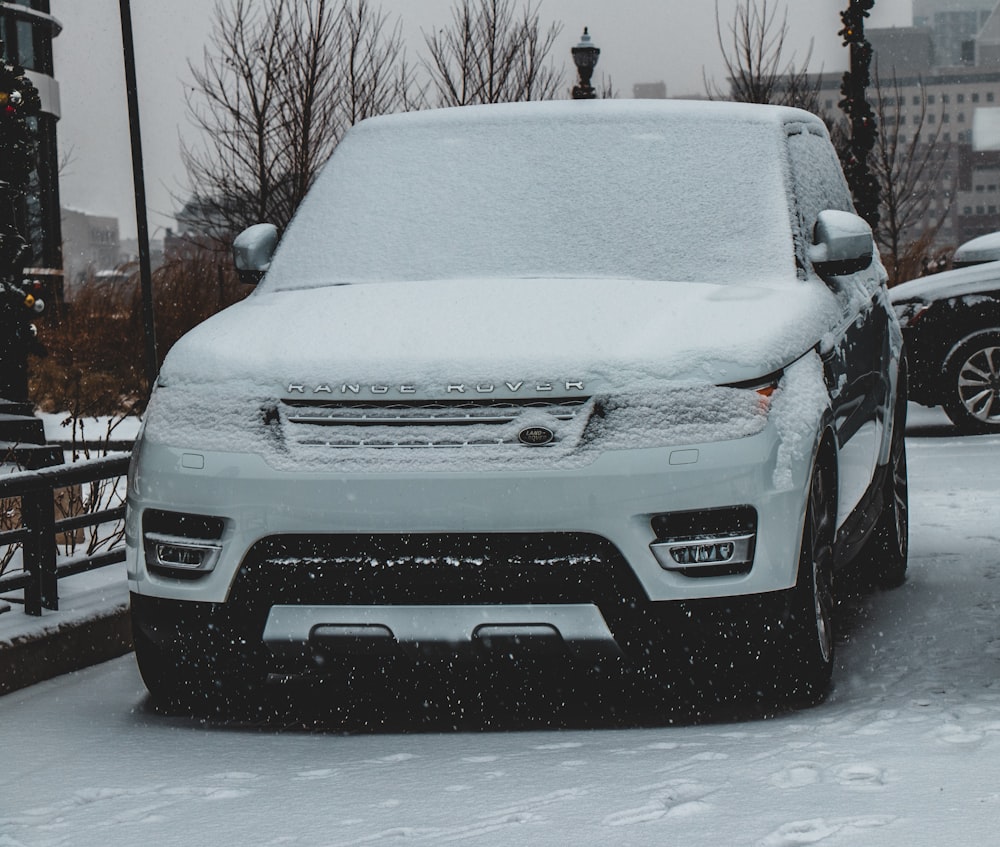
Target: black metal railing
[[40, 528]]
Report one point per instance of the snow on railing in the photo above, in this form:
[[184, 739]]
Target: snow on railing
[[60, 521]]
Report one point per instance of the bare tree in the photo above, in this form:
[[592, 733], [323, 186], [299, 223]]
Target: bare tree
[[279, 83], [753, 50], [492, 53], [908, 169]]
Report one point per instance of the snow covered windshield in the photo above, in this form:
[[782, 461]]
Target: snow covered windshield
[[689, 192]]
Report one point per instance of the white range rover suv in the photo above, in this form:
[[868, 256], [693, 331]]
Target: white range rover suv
[[616, 382]]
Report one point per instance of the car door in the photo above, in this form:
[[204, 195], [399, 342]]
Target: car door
[[853, 351]]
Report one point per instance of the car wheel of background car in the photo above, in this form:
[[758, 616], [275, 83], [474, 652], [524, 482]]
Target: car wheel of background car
[[884, 555], [804, 663], [210, 684], [972, 383]]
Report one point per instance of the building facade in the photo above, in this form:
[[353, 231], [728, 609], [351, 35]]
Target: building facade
[[26, 30], [91, 244], [955, 24], [948, 107]]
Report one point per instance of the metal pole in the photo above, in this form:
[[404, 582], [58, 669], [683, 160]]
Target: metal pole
[[138, 180]]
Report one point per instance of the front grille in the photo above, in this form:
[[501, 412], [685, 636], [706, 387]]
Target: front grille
[[419, 569], [428, 424]]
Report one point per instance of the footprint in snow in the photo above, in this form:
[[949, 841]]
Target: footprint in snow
[[954, 734], [797, 775], [801, 833], [861, 776], [677, 798], [321, 773]]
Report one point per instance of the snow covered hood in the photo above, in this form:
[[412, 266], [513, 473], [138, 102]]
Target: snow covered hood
[[429, 335], [975, 279]]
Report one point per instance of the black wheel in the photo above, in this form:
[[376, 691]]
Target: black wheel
[[806, 629], [884, 555], [972, 383], [219, 683]]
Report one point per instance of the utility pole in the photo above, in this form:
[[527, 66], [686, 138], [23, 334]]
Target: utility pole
[[139, 184]]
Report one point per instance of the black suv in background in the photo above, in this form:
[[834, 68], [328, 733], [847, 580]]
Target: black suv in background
[[951, 328]]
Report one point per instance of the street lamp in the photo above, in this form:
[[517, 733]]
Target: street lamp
[[585, 57]]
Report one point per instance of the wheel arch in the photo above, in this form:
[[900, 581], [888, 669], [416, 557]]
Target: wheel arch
[[966, 339], [954, 404], [825, 454]]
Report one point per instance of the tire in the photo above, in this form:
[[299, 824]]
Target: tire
[[806, 645], [883, 559], [972, 383], [204, 683]]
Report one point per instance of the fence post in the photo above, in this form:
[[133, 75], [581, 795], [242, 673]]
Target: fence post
[[39, 552]]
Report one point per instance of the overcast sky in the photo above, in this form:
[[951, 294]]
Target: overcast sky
[[640, 40]]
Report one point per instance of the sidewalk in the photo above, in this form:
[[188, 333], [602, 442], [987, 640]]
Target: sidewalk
[[91, 626]]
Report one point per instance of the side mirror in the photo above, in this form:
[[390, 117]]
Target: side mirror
[[842, 244], [252, 251]]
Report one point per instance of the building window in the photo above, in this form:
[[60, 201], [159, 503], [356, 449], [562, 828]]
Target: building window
[[945, 98], [961, 117], [932, 118], [26, 42], [975, 96], [989, 96], [945, 118], [916, 100], [966, 210], [930, 99], [959, 98]]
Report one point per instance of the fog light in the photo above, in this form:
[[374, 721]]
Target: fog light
[[684, 553], [185, 557], [703, 553], [177, 556]]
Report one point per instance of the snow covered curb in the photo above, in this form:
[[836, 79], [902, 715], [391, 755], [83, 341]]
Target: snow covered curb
[[91, 626]]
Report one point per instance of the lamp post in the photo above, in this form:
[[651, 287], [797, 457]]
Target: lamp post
[[585, 56]]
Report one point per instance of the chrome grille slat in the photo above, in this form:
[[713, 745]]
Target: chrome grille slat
[[421, 424]]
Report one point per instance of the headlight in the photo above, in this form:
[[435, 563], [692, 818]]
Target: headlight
[[910, 311], [763, 387]]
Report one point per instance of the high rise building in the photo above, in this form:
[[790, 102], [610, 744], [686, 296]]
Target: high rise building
[[955, 24], [26, 30]]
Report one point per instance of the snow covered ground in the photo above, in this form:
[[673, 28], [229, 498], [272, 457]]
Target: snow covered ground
[[906, 750]]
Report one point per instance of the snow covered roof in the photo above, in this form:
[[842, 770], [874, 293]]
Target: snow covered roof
[[985, 248]]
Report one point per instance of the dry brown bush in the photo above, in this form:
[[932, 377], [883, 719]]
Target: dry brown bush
[[919, 258], [95, 364]]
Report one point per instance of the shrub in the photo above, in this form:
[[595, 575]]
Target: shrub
[[95, 361]]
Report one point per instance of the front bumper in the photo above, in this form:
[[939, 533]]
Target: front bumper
[[614, 499]]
